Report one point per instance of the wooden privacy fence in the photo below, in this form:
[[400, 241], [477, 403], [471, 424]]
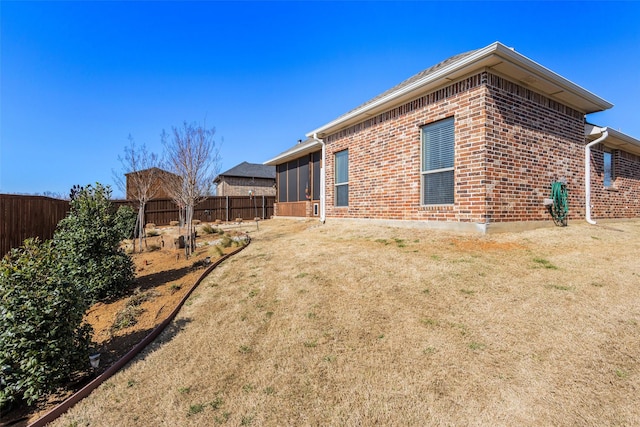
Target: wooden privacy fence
[[224, 208], [22, 217]]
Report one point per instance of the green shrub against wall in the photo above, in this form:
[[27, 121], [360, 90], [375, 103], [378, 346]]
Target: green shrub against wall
[[42, 337]]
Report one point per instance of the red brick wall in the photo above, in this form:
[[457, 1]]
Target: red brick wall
[[511, 144], [531, 142], [384, 157], [622, 199]]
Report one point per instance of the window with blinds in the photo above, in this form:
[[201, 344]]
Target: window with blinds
[[437, 163], [342, 178]]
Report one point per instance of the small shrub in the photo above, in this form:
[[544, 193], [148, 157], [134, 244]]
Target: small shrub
[[126, 317], [153, 248], [139, 297], [225, 242], [208, 229]]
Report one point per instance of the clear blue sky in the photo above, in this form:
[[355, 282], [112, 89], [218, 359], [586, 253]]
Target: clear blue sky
[[78, 77]]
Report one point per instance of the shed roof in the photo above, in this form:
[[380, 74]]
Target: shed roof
[[249, 170], [497, 58]]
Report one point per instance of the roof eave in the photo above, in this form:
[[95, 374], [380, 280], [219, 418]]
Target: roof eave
[[616, 139], [294, 153], [477, 60]]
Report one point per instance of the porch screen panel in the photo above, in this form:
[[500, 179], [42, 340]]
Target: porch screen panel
[[282, 182], [437, 162], [315, 195], [292, 181], [303, 179]]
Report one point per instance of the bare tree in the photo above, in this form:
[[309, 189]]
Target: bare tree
[[192, 154], [139, 180]]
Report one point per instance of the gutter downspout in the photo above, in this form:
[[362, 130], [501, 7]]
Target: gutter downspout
[[322, 180], [587, 175]]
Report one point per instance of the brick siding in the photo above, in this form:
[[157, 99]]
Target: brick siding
[[622, 199], [237, 186], [510, 144]]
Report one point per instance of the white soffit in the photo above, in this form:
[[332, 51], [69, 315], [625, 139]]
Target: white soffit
[[495, 57]]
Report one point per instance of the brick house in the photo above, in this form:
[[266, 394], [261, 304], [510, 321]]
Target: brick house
[[158, 187], [246, 177], [472, 143]]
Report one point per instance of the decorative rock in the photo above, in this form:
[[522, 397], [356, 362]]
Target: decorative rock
[[150, 225], [174, 223], [195, 221]]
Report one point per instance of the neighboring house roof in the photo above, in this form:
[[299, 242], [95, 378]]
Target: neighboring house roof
[[616, 139], [249, 170], [495, 57], [150, 169], [300, 149]]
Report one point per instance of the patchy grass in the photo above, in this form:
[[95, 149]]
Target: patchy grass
[[545, 263], [378, 334]]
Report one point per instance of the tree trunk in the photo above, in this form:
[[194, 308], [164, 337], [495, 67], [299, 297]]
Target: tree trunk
[[140, 222], [188, 235]]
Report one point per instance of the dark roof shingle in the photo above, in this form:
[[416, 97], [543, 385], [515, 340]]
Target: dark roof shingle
[[250, 170]]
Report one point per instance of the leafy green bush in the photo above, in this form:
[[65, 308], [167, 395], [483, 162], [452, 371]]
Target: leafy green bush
[[126, 221], [88, 243], [42, 337]]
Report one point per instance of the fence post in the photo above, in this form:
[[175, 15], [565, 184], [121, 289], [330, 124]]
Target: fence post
[[263, 206], [227, 208]]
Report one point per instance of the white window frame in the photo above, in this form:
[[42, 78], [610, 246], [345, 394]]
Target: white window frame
[[424, 172], [338, 184]]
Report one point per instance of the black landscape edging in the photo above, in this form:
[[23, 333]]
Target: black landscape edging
[[86, 390]]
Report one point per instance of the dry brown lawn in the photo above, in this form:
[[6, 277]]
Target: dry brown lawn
[[351, 323]]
